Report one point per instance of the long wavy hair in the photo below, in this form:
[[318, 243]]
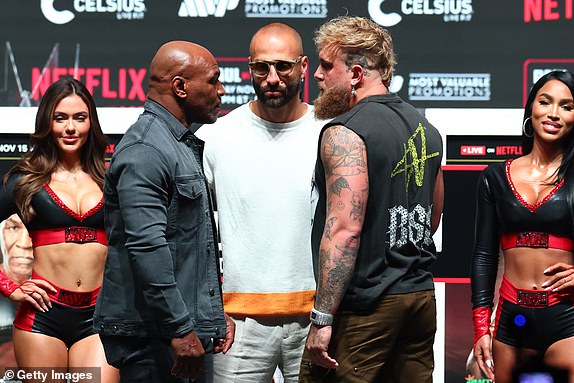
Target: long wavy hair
[[567, 78], [37, 166]]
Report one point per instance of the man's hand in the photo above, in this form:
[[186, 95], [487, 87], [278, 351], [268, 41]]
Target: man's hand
[[33, 291], [223, 345], [317, 345], [188, 352]]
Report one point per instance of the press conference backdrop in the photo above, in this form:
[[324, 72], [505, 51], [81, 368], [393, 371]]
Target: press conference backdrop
[[451, 53], [466, 64]]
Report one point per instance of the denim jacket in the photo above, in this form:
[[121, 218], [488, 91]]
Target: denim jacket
[[162, 276]]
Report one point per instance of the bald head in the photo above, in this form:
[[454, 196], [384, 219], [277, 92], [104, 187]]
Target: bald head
[[275, 34], [183, 78], [176, 58]]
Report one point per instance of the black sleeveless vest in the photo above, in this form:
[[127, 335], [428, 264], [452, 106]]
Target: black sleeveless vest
[[404, 154]]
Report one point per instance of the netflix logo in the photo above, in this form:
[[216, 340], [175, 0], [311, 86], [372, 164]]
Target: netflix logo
[[116, 84], [547, 10]]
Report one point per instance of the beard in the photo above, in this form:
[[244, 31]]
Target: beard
[[332, 103], [290, 91]]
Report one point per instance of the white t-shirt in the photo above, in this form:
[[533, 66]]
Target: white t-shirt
[[261, 175]]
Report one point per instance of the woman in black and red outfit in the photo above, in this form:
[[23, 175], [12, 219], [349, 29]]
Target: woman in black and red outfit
[[57, 191], [524, 207]]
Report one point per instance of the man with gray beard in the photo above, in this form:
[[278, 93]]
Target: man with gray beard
[[259, 161], [380, 196]]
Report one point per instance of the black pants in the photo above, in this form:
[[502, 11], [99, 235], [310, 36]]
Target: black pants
[[150, 359]]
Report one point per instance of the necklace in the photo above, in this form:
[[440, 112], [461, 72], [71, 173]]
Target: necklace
[[68, 176]]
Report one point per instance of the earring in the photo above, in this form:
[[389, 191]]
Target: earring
[[524, 128], [353, 91]]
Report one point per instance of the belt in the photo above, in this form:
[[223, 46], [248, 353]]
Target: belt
[[530, 298], [73, 234], [536, 239], [71, 298]]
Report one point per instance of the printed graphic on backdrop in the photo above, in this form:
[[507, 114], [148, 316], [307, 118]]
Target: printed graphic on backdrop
[[206, 8], [451, 53], [449, 86], [472, 150], [533, 69], [255, 8], [12, 147], [118, 86], [306, 9], [536, 11], [120, 9], [450, 10]]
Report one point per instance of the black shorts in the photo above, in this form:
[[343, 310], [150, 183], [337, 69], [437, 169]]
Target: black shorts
[[69, 324], [534, 328], [70, 319]]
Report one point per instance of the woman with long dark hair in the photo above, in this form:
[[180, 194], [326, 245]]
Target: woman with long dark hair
[[524, 207], [56, 189]]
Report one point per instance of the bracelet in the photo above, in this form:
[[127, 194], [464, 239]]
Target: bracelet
[[321, 319]]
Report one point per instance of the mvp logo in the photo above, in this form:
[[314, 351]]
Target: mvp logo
[[204, 8]]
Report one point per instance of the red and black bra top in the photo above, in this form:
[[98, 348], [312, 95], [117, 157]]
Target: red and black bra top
[[52, 212], [516, 216], [64, 224], [55, 222]]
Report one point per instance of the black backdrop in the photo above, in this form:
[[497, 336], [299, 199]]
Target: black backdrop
[[451, 53]]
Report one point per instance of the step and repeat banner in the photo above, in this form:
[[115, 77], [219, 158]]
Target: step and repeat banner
[[451, 53], [466, 64]]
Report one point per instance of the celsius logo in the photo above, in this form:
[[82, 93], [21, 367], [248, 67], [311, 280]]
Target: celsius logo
[[124, 9], [53, 15], [204, 8], [451, 10], [380, 17]]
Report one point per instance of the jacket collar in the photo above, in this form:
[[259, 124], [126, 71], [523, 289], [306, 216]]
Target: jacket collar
[[177, 129]]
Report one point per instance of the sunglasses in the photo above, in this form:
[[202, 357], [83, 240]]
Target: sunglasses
[[261, 68]]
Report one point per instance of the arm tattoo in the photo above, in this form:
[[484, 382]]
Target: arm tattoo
[[337, 271], [348, 250], [357, 209], [330, 223], [340, 184], [344, 151]]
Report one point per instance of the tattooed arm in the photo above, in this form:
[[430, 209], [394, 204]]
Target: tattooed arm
[[344, 158], [345, 161]]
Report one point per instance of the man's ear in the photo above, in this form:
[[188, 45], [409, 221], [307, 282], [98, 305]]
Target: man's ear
[[178, 85], [358, 72], [304, 66]]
